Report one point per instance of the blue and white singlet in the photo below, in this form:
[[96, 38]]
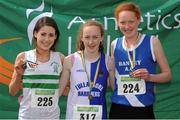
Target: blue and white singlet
[[79, 85], [144, 59]]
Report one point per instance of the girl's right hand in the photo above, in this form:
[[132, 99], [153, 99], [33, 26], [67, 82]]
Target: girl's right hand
[[19, 66]]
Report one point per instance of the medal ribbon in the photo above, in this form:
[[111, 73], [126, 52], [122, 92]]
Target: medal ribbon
[[132, 61], [88, 77], [133, 58]]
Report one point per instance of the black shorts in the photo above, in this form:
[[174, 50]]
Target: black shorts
[[118, 111]]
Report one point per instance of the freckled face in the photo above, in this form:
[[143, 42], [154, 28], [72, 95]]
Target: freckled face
[[92, 38], [128, 23], [45, 37]]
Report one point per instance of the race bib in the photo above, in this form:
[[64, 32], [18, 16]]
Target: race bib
[[130, 85], [44, 98], [87, 112]]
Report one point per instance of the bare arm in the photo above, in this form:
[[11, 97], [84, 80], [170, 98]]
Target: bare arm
[[111, 72], [111, 66], [165, 74], [112, 49], [16, 81], [61, 57], [65, 76]]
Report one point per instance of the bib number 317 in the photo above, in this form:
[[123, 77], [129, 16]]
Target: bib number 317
[[87, 112], [84, 116]]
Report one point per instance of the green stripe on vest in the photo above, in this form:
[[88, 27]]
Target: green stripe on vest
[[41, 85], [41, 77]]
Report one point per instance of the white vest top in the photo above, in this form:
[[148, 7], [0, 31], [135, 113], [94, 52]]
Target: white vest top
[[40, 88]]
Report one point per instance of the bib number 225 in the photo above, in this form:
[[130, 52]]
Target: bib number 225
[[44, 101]]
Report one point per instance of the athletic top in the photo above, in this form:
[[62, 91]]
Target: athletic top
[[40, 88], [79, 85], [131, 91]]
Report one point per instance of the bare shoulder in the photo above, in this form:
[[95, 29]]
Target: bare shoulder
[[69, 58], [68, 61], [157, 45], [113, 46], [113, 43], [20, 56], [156, 41], [110, 62], [61, 56]]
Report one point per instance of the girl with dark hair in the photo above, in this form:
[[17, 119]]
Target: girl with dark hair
[[37, 72]]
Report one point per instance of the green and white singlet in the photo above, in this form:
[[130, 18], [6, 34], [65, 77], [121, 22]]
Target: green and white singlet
[[41, 88]]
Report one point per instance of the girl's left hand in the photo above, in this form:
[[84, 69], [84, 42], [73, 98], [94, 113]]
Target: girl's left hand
[[141, 73]]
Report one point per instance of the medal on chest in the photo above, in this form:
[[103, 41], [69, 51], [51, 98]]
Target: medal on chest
[[91, 83]]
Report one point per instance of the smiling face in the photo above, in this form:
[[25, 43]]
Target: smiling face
[[91, 38], [128, 23], [45, 37]]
